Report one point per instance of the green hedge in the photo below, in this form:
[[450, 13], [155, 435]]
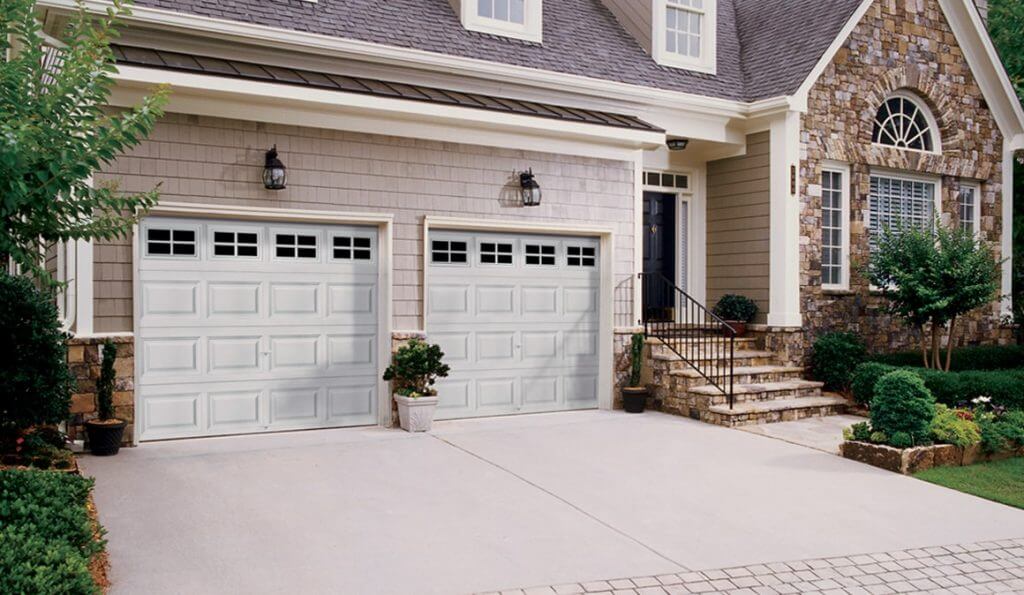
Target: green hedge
[[979, 357], [46, 536], [1006, 387]]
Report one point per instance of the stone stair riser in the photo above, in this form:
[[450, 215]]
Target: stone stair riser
[[770, 416], [706, 401]]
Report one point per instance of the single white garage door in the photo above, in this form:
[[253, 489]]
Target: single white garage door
[[517, 317], [251, 327]]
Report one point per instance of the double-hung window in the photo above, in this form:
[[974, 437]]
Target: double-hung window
[[969, 208], [835, 227], [684, 34], [897, 202]]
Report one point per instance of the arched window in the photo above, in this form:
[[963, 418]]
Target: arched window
[[903, 122]]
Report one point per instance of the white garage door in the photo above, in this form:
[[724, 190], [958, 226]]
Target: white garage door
[[517, 317], [251, 327]]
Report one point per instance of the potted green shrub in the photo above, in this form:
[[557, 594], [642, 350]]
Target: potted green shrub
[[414, 369], [737, 311], [634, 395], [105, 432]]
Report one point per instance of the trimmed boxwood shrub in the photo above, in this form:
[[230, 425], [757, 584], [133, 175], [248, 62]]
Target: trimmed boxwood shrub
[[46, 536], [902, 409], [36, 387], [735, 307], [834, 357], [977, 357], [865, 376]]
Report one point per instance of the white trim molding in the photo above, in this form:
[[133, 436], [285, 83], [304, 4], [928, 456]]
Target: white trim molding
[[1006, 241], [784, 221]]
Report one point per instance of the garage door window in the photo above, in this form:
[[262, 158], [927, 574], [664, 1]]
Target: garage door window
[[540, 254], [444, 251], [351, 248], [495, 253], [580, 256], [297, 246], [238, 244], [170, 242]]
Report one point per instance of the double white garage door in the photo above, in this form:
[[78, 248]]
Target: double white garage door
[[250, 327]]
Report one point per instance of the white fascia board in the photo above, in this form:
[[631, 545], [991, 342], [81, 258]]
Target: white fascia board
[[272, 102], [412, 58]]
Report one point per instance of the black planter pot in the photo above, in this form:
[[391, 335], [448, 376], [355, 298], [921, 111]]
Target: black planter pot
[[104, 439], [634, 399]]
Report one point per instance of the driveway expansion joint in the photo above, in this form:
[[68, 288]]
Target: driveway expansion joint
[[564, 501]]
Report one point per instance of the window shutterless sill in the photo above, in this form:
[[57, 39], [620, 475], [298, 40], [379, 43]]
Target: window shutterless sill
[[837, 291]]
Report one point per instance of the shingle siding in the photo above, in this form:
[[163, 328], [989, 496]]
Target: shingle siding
[[210, 160]]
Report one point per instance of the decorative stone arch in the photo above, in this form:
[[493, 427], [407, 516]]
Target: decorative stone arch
[[920, 83]]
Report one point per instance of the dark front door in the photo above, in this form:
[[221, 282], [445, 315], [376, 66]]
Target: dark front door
[[659, 254]]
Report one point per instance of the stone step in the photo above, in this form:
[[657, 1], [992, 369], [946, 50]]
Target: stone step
[[758, 412], [740, 342], [742, 357], [706, 396], [747, 375]]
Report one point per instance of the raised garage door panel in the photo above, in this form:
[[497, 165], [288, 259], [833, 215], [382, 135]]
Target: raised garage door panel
[[517, 317], [252, 327]]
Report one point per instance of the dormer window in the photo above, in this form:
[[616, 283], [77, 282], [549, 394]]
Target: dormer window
[[519, 19], [684, 34], [509, 11]]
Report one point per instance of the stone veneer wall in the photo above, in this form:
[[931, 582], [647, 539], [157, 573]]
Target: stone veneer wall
[[84, 360], [898, 45]]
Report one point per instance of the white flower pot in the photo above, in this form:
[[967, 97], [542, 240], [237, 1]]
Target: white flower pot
[[416, 414]]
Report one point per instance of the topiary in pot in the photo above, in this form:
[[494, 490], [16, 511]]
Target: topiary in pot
[[414, 369], [105, 432], [736, 310], [903, 409], [634, 395]]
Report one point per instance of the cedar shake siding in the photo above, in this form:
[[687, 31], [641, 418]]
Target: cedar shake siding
[[220, 161], [738, 226]]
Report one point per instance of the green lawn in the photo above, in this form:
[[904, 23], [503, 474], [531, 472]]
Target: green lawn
[[1002, 481]]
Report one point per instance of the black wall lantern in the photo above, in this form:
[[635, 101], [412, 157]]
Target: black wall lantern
[[274, 172], [677, 144], [530, 189]]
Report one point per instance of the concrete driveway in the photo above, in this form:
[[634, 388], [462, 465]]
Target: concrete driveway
[[494, 503]]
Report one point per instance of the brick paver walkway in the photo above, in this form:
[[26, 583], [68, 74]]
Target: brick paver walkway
[[991, 567]]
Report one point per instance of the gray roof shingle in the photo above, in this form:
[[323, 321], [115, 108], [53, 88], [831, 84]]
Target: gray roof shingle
[[765, 47]]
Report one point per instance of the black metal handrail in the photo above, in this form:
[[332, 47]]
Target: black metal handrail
[[699, 337]]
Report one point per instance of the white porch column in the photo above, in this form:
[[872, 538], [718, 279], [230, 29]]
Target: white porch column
[[784, 217], [83, 280]]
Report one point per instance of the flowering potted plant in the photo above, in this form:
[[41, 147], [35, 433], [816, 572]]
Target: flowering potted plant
[[414, 369], [105, 431], [634, 394], [737, 311]]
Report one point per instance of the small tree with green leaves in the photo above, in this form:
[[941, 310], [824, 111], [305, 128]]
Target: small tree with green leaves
[[636, 352], [105, 383], [933, 278], [55, 131], [414, 369]]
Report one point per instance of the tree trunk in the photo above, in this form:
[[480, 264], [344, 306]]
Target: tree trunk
[[950, 340], [924, 346], [936, 358]]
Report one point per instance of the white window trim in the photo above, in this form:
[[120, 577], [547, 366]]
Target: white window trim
[[976, 228], [933, 124], [530, 30], [707, 62], [842, 169]]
